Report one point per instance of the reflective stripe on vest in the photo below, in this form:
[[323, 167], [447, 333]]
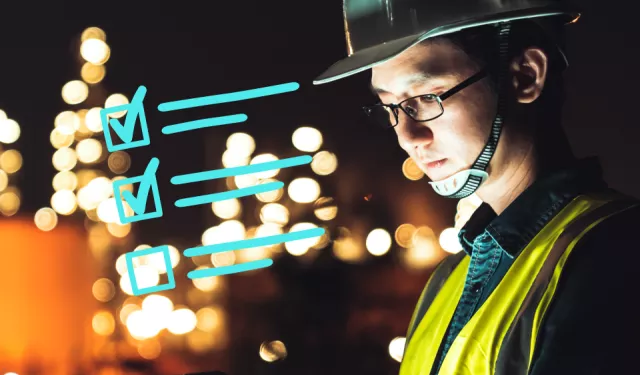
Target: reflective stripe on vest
[[500, 338]]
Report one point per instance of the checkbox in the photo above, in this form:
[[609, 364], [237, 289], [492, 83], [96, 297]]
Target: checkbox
[[147, 183], [164, 251], [125, 132]]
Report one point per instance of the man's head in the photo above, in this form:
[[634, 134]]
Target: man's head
[[534, 97]]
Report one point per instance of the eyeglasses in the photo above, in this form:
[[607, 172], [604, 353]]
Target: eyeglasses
[[420, 108]]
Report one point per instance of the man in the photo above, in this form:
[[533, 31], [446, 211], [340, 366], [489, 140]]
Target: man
[[473, 91]]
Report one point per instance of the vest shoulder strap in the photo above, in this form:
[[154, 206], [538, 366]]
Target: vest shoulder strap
[[436, 280]]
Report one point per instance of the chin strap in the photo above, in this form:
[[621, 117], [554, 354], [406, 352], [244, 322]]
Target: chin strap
[[466, 182]]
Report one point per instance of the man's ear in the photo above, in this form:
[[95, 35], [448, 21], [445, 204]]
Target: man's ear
[[529, 72]]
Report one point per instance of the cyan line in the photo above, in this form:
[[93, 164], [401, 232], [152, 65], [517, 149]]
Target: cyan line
[[227, 270], [204, 123], [246, 169], [253, 242], [210, 198], [229, 97]]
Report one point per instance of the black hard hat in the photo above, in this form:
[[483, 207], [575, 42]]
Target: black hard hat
[[378, 30]]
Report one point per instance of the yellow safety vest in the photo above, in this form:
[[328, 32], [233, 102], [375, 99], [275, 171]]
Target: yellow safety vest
[[500, 337]]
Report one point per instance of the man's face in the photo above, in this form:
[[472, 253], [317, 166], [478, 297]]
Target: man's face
[[459, 135]]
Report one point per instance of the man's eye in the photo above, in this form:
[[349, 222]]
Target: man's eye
[[428, 98], [411, 110]]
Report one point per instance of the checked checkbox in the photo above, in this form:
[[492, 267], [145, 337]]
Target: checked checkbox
[[138, 289], [125, 131], [148, 183]]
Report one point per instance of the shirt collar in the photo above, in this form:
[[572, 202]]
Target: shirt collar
[[532, 209]]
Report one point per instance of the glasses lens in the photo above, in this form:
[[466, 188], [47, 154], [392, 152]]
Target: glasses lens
[[423, 108], [381, 115]]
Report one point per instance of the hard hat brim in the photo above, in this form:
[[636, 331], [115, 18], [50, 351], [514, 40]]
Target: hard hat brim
[[368, 58]]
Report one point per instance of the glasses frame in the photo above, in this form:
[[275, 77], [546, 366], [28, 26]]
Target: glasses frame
[[439, 98]]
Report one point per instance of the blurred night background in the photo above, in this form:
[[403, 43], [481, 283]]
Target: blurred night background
[[338, 304]]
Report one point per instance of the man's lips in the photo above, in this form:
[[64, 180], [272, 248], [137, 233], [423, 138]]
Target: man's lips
[[435, 164]]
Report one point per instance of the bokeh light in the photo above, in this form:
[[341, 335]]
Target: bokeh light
[[160, 307], [270, 196], [130, 305], [263, 158], [59, 139], [115, 100], [300, 247], [396, 348], [103, 323], [227, 209], [67, 122], [66, 180], [324, 163], [142, 326], [347, 248], [93, 121], [209, 319], [378, 242], [241, 144], [424, 250], [273, 351], [119, 230], [307, 139], [95, 51], [11, 161], [231, 230], [4, 180], [64, 202], [82, 131], [75, 92], [304, 190], [46, 219], [274, 213], [226, 258], [206, 284], [103, 290], [234, 158], [411, 170], [9, 201], [64, 159], [92, 73], [149, 349], [119, 162], [93, 33], [325, 208], [449, 240], [89, 150], [404, 234], [182, 321], [9, 131]]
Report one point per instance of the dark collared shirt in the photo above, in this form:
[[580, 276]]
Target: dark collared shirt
[[493, 242]]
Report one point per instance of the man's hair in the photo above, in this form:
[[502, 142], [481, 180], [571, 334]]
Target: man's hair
[[481, 45]]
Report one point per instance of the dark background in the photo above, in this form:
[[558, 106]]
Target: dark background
[[190, 48]]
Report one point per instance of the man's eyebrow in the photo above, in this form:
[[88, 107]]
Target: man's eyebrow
[[408, 81]]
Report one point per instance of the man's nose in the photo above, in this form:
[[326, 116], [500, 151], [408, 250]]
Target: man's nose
[[411, 133]]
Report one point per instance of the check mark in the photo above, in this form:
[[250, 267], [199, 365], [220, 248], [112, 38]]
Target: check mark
[[125, 132], [139, 203]]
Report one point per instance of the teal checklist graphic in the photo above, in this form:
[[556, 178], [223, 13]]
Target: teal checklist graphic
[[146, 202], [166, 256], [147, 188], [135, 110]]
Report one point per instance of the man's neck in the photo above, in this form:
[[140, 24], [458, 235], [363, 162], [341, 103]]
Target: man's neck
[[513, 180], [500, 192]]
